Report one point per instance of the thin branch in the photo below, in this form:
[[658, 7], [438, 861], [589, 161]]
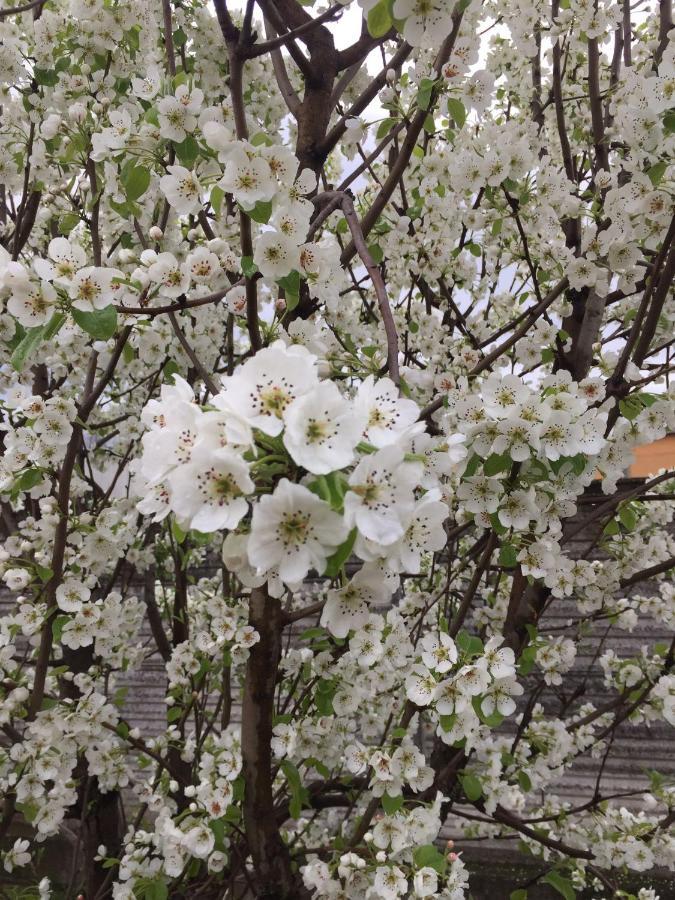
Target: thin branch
[[333, 12], [375, 274], [25, 7], [194, 359]]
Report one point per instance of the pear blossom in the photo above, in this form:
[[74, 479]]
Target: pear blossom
[[380, 498], [293, 531], [322, 429], [210, 491], [247, 177], [65, 258], [177, 114], [348, 607], [172, 277], [499, 697], [439, 652], [181, 189], [388, 416], [91, 288], [147, 87], [32, 304], [276, 255], [265, 386]]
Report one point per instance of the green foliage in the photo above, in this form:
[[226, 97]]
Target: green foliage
[[101, 324], [561, 884]]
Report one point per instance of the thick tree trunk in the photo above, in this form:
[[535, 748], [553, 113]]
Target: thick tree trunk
[[271, 859]]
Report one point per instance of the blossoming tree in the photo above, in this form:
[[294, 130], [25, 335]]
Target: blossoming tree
[[354, 305]]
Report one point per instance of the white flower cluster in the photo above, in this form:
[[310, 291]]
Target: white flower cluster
[[464, 692], [201, 465], [393, 844]]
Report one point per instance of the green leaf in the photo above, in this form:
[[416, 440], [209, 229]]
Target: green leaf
[[376, 252], [379, 19], [524, 781], [187, 151], [496, 227], [384, 128], [291, 287], [30, 342], [331, 488], [261, 212], [507, 556], [391, 805], [298, 793], [562, 885], [630, 408], [470, 644], [17, 337], [217, 826], [611, 528], [457, 111], [156, 890], [429, 855], [310, 633], [323, 770], [57, 627], [341, 555], [67, 223], [471, 786], [28, 810], [261, 139], [170, 369], [430, 127], [425, 92], [122, 730], [492, 720], [174, 713], [217, 195], [520, 894], [657, 171], [669, 122], [100, 323], [628, 518], [44, 573], [178, 534], [497, 462], [133, 36], [526, 661], [323, 696], [47, 77], [28, 479], [248, 267], [472, 466], [53, 325], [136, 181]]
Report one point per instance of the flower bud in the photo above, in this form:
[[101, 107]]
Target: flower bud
[[77, 112]]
